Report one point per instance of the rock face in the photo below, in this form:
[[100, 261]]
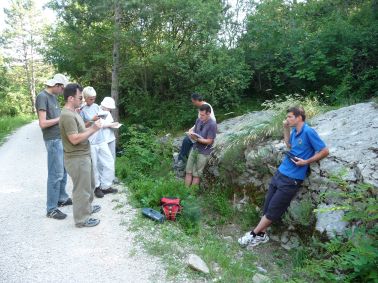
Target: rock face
[[195, 262]]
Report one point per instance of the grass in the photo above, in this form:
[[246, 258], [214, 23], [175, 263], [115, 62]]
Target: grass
[[9, 124]]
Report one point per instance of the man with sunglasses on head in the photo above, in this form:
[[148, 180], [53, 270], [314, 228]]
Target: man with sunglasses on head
[[48, 110], [203, 134]]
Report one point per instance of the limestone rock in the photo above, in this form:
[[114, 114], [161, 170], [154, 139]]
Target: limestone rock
[[196, 263], [330, 221], [259, 278]]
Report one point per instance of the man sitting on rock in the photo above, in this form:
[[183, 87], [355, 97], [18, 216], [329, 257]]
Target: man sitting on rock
[[203, 134], [187, 144], [305, 147]]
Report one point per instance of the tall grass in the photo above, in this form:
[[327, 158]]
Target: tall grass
[[9, 124]]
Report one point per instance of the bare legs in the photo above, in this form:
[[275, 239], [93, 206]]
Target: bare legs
[[191, 180], [263, 225]]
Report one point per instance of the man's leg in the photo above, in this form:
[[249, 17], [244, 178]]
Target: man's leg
[[186, 146], [80, 170], [188, 179], [199, 165], [55, 174], [262, 226], [63, 196]]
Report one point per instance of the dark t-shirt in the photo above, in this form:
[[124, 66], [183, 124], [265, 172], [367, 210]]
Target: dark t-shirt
[[49, 103], [207, 130]]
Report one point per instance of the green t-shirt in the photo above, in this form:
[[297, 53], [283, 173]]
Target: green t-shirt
[[71, 123], [49, 103]]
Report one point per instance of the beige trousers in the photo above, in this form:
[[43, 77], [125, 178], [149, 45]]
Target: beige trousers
[[81, 172]]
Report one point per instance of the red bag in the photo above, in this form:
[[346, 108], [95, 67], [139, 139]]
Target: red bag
[[170, 207]]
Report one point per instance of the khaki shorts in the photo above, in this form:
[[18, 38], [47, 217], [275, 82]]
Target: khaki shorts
[[196, 163]]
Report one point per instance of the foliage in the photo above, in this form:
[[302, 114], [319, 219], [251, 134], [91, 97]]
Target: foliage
[[352, 257], [8, 124], [300, 213], [323, 47], [168, 50]]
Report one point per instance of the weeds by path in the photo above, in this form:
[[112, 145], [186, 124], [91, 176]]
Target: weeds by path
[[9, 124]]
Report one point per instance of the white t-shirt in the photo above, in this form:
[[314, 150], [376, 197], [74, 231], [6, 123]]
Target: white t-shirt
[[108, 132], [87, 113], [212, 115]]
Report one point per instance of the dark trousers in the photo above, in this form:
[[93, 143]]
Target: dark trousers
[[282, 190], [185, 149]]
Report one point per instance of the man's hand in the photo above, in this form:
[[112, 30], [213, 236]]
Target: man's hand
[[95, 118], [193, 137], [98, 124], [299, 161], [190, 131]]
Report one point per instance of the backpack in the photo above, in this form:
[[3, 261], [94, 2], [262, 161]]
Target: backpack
[[170, 206]]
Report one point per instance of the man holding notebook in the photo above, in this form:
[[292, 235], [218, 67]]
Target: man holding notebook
[[204, 134]]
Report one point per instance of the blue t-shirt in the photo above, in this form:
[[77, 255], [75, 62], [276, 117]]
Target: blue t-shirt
[[303, 145]]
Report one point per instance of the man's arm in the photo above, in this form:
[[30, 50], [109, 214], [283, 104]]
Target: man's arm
[[317, 156], [203, 141], [80, 137], [43, 122]]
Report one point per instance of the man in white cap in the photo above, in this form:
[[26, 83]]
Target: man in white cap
[[48, 110]]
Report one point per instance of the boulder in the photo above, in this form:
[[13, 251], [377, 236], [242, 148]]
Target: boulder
[[196, 263], [330, 220], [259, 278]]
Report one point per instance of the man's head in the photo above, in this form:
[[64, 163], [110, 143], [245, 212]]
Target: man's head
[[295, 115], [89, 95], [56, 84], [196, 99], [72, 95], [204, 112]]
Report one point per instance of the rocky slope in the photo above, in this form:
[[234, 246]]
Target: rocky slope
[[351, 133]]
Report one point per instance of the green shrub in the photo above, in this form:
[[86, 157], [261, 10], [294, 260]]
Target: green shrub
[[8, 124], [352, 257]]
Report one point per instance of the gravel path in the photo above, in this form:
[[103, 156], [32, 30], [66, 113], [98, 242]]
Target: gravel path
[[34, 248]]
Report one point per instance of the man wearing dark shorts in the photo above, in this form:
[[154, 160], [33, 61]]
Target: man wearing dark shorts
[[305, 147]]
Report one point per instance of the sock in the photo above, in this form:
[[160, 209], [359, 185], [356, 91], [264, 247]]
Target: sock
[[261, 234], [253, 233]]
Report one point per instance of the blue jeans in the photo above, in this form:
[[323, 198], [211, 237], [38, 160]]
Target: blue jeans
[[185, 149], [57, 175]]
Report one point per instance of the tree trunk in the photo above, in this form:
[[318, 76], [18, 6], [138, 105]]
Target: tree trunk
[[115, 67], [28, 77]]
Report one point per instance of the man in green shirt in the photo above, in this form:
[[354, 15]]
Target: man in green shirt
[[77, 156]]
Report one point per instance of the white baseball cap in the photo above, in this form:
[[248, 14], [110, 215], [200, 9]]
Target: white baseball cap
[[108, 102], [57, 79]]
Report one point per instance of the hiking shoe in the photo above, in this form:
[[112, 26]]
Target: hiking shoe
[[98, 192], [249, 240], [259, 240], [91, 222], [96, 208], [64, 203], [246, 239], [56, 214], [110, 191]]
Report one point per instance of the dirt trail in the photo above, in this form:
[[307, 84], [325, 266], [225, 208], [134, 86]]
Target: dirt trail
[[34, 248]]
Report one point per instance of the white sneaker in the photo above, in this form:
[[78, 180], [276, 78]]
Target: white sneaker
[[249, 240], [259, 240], [246, 239]]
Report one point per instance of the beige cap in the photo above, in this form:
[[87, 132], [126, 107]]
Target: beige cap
[[57, 79]]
